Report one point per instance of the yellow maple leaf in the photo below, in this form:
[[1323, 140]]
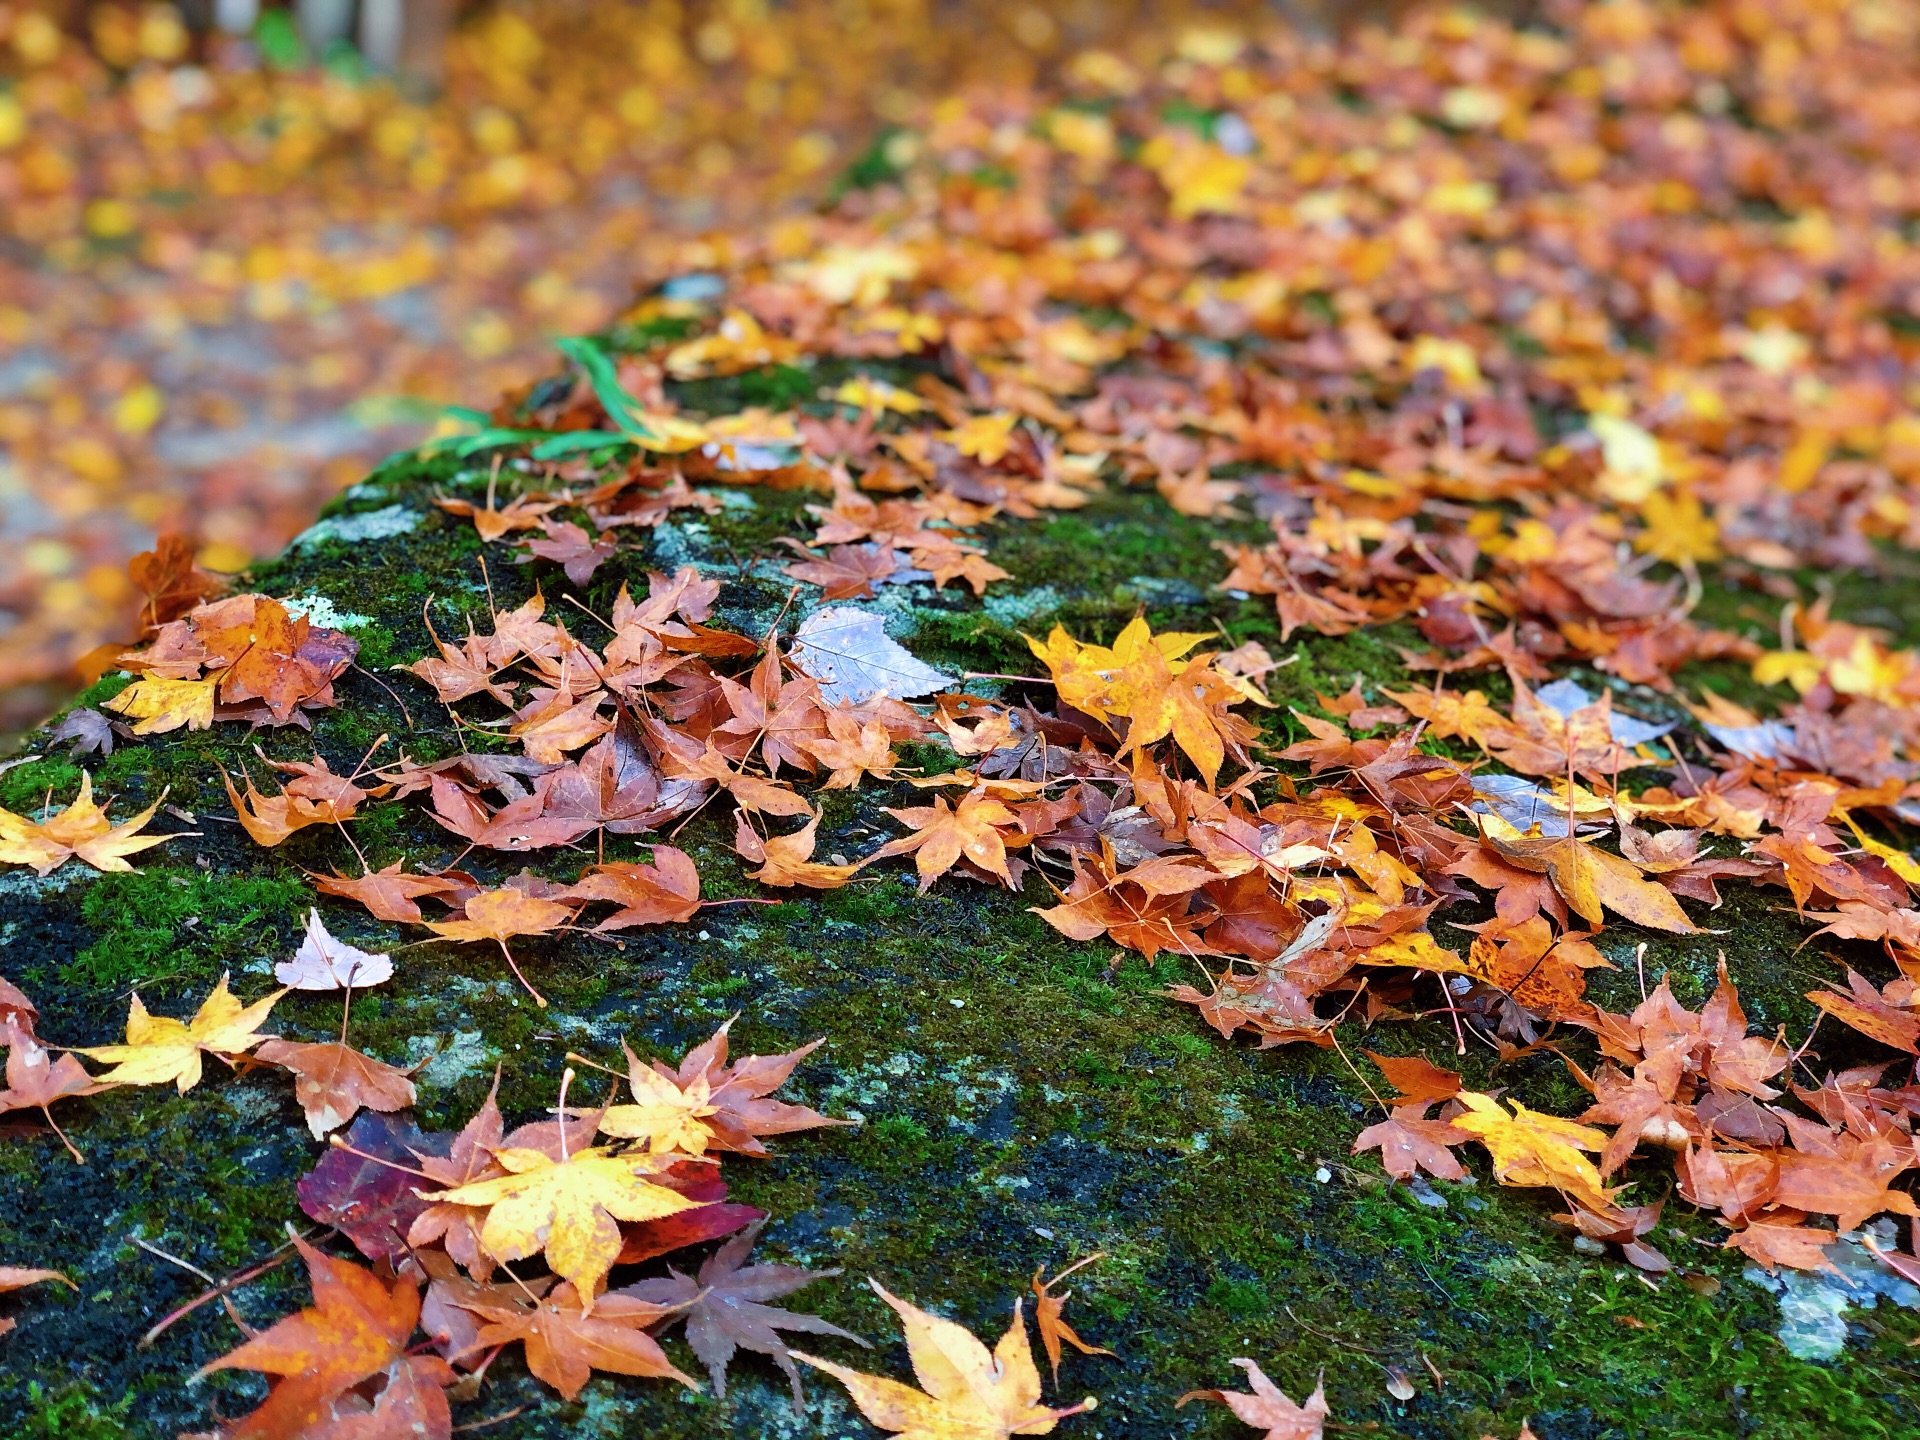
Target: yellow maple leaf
[[82, 830], [664, 1115], [1529, 1148], [1678, 530], [985, 437], [1136, 679], [163, 705], [161, 1050], [569, 1208], [967, 1392]]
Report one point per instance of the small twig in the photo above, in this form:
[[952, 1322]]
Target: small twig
[[1333, 1339], [504, 1415], [275, 1259]]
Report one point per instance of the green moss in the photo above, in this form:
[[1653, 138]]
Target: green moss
[[75, 1412], [164, 923]]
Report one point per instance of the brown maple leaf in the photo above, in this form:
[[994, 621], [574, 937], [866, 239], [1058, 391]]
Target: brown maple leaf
[[1268, 1407], [1409, 1142], [846, 572], [389, 893], [35, 1080], [356, 1327], [498, 915], [333, 1082], [786, 860], [170, 580], [1048, 1315], [944, 834], [663, 893], [569, 546], [565, 1341]]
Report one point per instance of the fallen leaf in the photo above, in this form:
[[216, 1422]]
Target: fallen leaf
[[566, 1208], [1268, 1407], [850, 653], [1589, 878], [35, 1080], [724, 1310], [966, 1392], [1048, 1314], [161, 1050], [356, 1327], [333, 1082], [787, 860], [324, 963], [82, 829], [567, 1339]]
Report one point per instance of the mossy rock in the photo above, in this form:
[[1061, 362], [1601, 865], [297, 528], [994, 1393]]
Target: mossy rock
[[1023, 1104]]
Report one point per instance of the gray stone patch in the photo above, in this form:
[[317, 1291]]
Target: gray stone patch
[[1811, 1324], [381, 524], [454, 1057], [1022, 605], [25, 885], [319, 610], [1163, 590]]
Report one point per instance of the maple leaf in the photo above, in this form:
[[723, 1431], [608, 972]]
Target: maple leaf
[[82, 829], [159, 706], [410, 1404], [1268, 1407], [724, 1309], [366, 1192], [1590, 878], [498, 915], [944, 834], [663, 893], [356, 1327], [1529, 1148], [567, 1208], [852, 750], [1871, 1013], [18, 1277], [566, 1339], [712, 1104], [523, 512], [967, 1392], [170, 580], [333, 1082], [324, 963], [569, 546], [1048, 1314], [389, 893], [469, 1158], [161, 1050], [35, 1080], [1135, 679], [846, 572], [1408, 1142], [786, 860], [317, 797], [1780, 1239]]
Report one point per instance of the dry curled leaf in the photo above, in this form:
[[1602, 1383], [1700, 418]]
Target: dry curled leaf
[[334, 1082]]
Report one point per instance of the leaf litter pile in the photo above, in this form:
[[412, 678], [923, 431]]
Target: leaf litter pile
[[1514, 343]]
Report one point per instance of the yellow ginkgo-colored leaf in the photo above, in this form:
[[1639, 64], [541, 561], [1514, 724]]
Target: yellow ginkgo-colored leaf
[[161, 1050], [567, 1208], [664, 1115], [82, 829], [1529, 1148], [163, 705], [967, 1392]]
